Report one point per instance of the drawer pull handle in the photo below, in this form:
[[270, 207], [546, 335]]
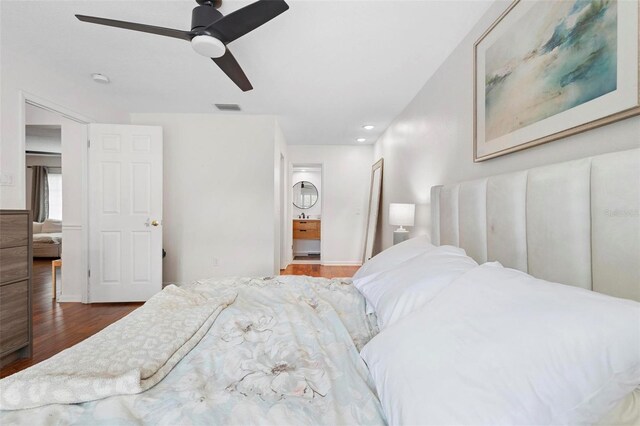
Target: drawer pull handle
[[302, 222], [302, 230]]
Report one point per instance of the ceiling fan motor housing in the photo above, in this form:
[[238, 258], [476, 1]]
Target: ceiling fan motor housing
[[206, 43], [203, 16], [214, 3]]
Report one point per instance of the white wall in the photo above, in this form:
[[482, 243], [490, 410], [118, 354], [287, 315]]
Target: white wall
[[431, 141], [43, 138], [219, 194], [22, 74], [346, 171]]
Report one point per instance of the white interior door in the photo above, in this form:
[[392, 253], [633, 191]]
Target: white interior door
[[125, 212]]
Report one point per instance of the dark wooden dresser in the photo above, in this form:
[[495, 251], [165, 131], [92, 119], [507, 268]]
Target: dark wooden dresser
[[16, 242]]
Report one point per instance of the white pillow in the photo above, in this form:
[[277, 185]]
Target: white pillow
[[37, 227], [398, 291], [394, 255], [50, 226], [498, 346]]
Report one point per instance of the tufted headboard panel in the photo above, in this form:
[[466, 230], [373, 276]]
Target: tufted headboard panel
[[575, 223]]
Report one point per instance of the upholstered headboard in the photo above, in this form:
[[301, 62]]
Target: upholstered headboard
[[575, 223]]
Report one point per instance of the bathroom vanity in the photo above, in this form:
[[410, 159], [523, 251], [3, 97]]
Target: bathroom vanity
[[306, 229]]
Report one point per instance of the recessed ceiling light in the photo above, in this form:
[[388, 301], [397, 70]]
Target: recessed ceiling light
[[361, 140], [100, 78], [368, 127]]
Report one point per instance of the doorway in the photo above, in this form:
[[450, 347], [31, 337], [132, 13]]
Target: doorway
[[49, 186], [306, 181], [55, 139], [43, 189]]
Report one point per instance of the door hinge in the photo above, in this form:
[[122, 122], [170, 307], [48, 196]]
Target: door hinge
[[88, 143], [89, 273]]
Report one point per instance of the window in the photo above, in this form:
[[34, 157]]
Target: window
[[55, 195]]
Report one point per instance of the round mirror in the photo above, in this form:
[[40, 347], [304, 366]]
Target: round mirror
[[305, 195]]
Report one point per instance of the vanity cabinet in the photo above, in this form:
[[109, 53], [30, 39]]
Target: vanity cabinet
[[306, 229], [15, 285]]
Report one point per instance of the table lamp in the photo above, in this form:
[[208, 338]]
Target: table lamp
[[401, 215]]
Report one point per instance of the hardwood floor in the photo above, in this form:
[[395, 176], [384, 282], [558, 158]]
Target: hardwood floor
[[320, 270], [57, 326]]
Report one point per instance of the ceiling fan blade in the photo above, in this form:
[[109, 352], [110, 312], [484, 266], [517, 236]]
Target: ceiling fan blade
[[167, 32], [247, 19], [231, 68]]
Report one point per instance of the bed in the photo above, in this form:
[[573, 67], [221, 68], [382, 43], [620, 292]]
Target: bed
[[455, 332], [47, 238]]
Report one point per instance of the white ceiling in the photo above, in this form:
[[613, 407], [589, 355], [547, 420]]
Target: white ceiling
[[324, 67]]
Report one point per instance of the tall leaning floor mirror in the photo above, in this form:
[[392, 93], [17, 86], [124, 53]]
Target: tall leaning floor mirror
[[375, 193]]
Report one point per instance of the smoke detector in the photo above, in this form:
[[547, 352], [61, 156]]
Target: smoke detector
[[100, 78]]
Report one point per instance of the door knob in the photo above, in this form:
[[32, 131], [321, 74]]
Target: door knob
[[151, 222]]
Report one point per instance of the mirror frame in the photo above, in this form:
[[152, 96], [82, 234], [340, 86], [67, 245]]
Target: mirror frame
[[373, 215], [317, 195]]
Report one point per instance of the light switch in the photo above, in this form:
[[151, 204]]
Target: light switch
[[6, 179]]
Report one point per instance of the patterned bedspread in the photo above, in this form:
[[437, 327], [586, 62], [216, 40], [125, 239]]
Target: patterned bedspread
[[285, 352]]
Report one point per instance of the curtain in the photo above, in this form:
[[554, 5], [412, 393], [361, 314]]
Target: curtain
[[39, 193]]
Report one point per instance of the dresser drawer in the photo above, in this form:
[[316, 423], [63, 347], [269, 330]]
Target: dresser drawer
[[306, 224], [14, 316], [306, 234], [306, 229], [14, 264], [14, 230]]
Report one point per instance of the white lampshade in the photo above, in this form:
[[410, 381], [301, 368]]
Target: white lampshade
[[402, 214]]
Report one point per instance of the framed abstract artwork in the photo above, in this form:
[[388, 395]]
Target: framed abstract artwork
[[549, 69]]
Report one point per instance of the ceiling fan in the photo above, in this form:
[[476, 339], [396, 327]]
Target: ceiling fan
[[211, 31]]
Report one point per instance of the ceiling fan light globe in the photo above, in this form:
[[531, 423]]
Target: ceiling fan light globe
[[208, 46]]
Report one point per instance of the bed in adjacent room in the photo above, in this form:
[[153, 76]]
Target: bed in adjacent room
[[47, 238], [473, 329]]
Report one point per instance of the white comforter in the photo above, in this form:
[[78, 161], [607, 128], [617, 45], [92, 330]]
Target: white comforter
[[49, 238], [127, 357], [285, 352]]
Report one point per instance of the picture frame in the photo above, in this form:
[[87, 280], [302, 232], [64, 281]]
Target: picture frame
[[373, 212], [542, 90]]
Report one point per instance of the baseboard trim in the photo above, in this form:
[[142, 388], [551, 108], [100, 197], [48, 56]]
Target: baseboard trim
[[306, 262], [66, 298], [71, 226], [341, 263]]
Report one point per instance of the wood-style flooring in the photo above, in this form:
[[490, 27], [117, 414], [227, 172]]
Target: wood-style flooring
[[314, 270], [57, 326]]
